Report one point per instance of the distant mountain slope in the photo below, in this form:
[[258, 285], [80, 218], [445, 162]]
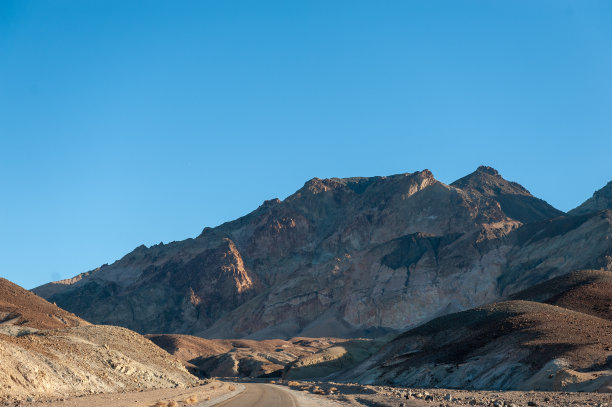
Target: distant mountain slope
[[344, 258], [601, 200], [508, 345]]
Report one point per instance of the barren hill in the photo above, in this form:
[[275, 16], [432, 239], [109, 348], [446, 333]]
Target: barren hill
[[20, 307], [345, 258], [47, 352], [508, 345], [586, 291]]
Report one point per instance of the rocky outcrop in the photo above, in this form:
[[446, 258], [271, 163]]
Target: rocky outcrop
[[166, 288], [345, 257]]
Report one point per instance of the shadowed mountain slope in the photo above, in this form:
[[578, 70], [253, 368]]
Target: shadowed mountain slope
[[344, 258], [586, 291]]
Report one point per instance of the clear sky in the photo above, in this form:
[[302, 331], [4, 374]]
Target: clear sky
[[133, 122]]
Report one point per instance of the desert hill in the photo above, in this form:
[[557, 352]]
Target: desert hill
[[20, 307], [586, 291], [349, 257], [47, 352], [242, 357], [515, 344]]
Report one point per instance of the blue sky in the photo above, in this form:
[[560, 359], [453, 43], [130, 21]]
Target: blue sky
[[131, 122]]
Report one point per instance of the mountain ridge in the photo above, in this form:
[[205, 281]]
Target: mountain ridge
[[315, 260]]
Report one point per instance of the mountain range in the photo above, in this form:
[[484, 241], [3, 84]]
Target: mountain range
[[347, 257]]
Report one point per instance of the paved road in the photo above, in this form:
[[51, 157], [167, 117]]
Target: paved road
[[260, 395]]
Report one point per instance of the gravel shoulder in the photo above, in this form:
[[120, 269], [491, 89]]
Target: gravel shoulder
[[342, 394]]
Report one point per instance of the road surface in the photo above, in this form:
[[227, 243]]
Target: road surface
[[260, 395]]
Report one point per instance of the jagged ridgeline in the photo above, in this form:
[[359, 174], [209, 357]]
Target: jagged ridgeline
[[346, 258]]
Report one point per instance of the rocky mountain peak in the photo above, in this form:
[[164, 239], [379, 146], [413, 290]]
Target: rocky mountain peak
[[488, 181], [315, 186], [487, 170], [426, 173], [515, 201]]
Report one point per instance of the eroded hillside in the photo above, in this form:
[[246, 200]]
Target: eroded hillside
[[47, 352]]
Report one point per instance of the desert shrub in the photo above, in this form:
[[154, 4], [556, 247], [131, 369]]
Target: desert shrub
[[160, 404], [192, 400], [173, 404], [232, 387], [293, 383]]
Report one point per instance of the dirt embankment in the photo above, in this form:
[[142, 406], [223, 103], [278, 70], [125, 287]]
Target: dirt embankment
[[84, 360]]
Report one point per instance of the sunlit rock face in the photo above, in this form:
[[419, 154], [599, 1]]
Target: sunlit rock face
[[345, 257]]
